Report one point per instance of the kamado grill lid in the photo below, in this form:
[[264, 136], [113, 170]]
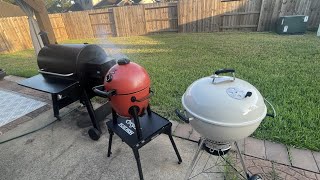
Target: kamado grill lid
[[224, 100], [126, 78]]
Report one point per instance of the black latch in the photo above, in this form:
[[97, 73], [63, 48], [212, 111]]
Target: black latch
[[123, 61]]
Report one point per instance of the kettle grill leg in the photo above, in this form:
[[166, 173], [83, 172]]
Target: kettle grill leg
[[242, 161], [195, 157]]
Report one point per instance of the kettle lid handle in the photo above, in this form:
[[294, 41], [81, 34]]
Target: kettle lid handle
[[218, 79], [217, 72]]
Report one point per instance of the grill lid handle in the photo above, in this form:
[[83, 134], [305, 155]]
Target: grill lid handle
[[218, 79], [217, 72], [123, 61], [42, 71]]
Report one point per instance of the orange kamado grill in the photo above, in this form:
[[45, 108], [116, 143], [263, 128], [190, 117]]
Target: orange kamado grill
[[127, 86]]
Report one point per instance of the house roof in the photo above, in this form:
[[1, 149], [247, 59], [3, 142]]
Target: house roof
[[75, 7], [105, 3]]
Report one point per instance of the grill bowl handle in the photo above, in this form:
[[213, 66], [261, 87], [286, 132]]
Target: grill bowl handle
[[99, 90], [274, 111], [182, 116]]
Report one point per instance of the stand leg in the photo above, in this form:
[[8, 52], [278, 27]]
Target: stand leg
[[174, 146], [55, 105], [149, 110], [114, 116], [136, 155], [90, 111], [134, 112], [242, 162], [110, 142], [190, 169]]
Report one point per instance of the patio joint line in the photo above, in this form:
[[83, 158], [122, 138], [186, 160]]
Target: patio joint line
[[315, 161], [265, 150]]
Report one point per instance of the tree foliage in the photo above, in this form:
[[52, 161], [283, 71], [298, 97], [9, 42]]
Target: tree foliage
[[56, 6], [53, 6]]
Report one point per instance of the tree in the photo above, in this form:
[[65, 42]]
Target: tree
[[53, 6], [56, 6]]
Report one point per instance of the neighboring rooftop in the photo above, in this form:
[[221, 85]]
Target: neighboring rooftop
[[10, 10]]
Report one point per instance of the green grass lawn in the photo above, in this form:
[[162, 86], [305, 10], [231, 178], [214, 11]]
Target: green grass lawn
[[285, 69]]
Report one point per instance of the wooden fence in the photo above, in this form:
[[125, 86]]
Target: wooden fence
[[182, 16]]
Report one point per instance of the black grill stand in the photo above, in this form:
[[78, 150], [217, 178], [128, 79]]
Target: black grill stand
[[145, 128], [69, 91]]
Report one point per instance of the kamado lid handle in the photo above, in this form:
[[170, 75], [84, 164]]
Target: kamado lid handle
[[218, 79], [123, 61]]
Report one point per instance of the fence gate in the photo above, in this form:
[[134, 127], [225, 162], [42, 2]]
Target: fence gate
[[161, 17], [102, 23]]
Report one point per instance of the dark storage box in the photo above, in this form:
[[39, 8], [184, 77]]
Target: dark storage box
[[292, 24]]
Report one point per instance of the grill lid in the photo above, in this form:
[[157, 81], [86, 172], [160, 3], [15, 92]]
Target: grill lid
[[225, 101]]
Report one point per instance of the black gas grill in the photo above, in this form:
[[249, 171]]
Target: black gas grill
[[68, 73]]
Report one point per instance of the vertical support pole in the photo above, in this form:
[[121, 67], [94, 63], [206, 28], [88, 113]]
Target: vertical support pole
[[90, 110], [149, 110], [110, 142], [55, 105], [114, 117], [134, 113]]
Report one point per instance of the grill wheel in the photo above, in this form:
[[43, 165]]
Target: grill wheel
[[94, 134]]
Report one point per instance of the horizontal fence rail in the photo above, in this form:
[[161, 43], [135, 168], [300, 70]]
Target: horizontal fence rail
[[182, 16]]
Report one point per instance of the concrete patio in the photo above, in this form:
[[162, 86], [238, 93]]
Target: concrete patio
[[63, 150]]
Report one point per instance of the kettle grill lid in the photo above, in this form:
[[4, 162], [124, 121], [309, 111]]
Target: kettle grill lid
[[225, 101]]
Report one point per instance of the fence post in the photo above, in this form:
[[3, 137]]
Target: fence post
[[262, 17], [145, 21], [116, 22], [115, 25]]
